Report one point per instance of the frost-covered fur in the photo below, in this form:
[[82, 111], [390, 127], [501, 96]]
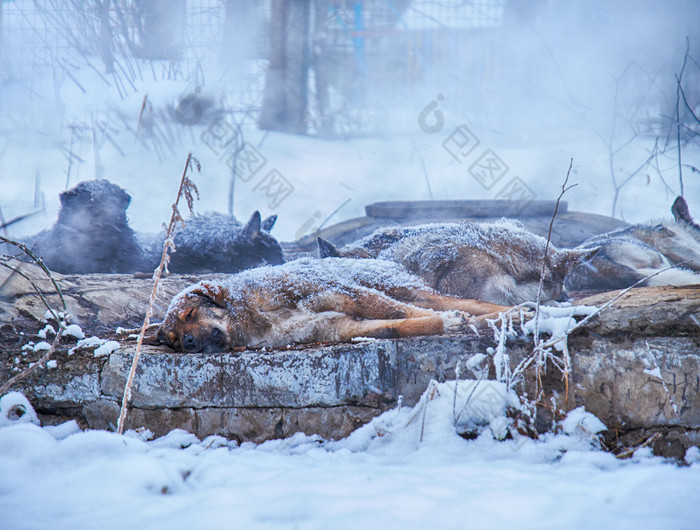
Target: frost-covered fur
[[629, 255], [498, 261], [91, 233], [216, 242], [312, 300]]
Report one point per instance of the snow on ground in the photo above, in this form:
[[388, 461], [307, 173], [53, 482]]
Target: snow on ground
[[64, 478], [54, 134]]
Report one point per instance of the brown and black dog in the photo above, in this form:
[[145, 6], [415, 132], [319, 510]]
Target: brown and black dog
[[496, 261], [314, 300]]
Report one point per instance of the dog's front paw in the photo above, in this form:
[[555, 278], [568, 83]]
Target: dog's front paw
[[453, 321]]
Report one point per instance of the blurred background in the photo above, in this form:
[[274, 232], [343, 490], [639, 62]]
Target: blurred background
[[312, 109]]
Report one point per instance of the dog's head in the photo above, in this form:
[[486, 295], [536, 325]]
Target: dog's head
[[565, 261], [197, 320], [93, 203], [254, 246]]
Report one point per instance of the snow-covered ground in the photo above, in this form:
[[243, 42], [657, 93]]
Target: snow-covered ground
[[70, 124], [406, 469]]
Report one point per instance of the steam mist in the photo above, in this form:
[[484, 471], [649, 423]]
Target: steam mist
[[385, 99]]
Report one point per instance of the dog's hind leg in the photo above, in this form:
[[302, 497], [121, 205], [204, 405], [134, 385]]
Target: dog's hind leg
[[440, 302], [435, 324], [371, 306]]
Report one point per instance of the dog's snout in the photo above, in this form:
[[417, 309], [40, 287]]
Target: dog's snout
[[189, 343]]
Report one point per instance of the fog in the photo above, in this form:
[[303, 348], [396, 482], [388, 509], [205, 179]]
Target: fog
[[385, 100]]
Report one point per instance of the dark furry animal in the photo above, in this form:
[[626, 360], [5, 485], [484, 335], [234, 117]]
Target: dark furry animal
[[629, 255], [498, 262], [219, 243], [91, 233], [313, 300]]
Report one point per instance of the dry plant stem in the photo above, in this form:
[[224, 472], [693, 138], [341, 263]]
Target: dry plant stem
[[135, 330], [525, 363], [38, 261], [140, 122], [24, 373], [564, 189], [679, 79], [536, 336], [41, 362], [31, 282], [156, 278], [631, 450]]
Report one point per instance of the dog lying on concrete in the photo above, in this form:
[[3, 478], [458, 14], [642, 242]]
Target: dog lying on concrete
[[629, 255], [314, 300], [216, 242], [497, 261]]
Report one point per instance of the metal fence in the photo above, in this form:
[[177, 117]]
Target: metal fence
[[366, 52]]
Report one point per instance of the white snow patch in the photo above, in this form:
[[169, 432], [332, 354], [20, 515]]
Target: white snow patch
[[41, 346], [580, 421], [64, 430], [656, 372], [73, 330], [51, 364], [557, 321], [373, 479], [90, 342], [47, 329], [692, 455], [15, 408], [106, 348]]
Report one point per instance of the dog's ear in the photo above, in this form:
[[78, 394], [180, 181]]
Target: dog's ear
[[251, 230], [681, 212], [566, 259], [326, 249], [211, 291], [268, 223]]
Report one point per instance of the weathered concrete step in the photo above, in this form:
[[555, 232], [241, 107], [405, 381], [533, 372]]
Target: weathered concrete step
[[629, 384], [636, 367]]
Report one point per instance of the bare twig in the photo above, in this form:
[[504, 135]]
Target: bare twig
[[61, 326], [41, 362], [564, 189], [539, 350], [679, 79], [651, 439], [612, 301], [139, 124], [39, 262], [536, 336], [187, 187]]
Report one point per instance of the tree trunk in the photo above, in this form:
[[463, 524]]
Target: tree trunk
[[162, 28], [105, 35], [285, 96]]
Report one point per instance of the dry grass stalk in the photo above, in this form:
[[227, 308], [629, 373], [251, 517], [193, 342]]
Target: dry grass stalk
[[541, 350], [40, 363], [61, 325], [187, 188], [650, 440], [139, 125], [536, 337], [39, 262]]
